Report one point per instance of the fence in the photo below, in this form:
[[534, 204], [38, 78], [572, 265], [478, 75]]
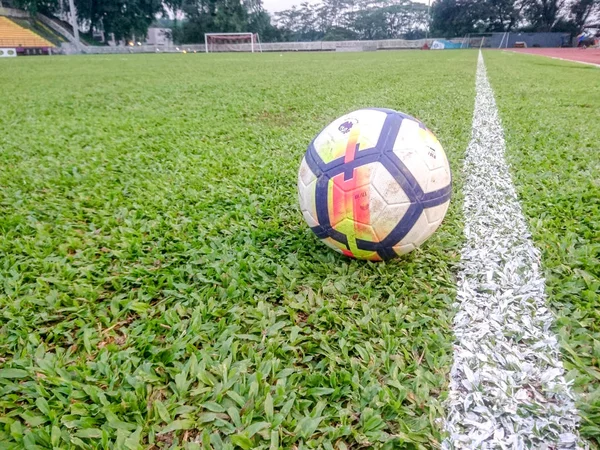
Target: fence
[[492, 40], [390, 44], [531, 39], [509, 39]]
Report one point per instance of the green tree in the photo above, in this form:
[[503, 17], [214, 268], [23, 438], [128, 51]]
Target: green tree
[[500, 15], [543, 15], [124, 18], [36, 6], [583, 10], [391, 19], [451, 18], [259, 21], [340, 34], [222, 16], [302, 23], [212, 16], [354, 19]]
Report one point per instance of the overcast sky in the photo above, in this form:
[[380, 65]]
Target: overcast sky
[[279, 5]]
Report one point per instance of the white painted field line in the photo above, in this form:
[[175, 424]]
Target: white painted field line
[[507, 385], [555, 57], [574, 61]]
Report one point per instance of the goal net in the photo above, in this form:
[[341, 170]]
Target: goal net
[[232, 42], [501, 39]]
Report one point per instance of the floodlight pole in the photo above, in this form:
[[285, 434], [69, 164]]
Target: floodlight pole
[[428, 19], [74, 23], [252, 42]]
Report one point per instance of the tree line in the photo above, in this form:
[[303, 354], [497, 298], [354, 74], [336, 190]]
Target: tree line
[[124, 18], [452, 18], [383, 19], [354, 19], [327, 20]]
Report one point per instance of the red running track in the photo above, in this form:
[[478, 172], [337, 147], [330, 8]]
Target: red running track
[[588, 55]]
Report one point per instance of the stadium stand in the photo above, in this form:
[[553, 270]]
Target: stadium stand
[[23, 40]]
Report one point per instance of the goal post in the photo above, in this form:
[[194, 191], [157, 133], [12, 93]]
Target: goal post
[[499, 39], [232, 42], [504, 40]]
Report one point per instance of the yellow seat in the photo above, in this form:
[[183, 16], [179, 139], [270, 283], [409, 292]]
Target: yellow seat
[[13, 35]]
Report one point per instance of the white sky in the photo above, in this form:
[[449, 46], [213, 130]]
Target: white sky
[[279, 5]]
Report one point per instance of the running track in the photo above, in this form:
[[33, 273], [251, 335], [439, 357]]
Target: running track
[[587, 56]]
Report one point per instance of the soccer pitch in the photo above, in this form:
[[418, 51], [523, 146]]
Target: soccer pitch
[[161, 289]]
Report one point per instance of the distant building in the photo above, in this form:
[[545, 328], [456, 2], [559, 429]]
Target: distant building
[[159, 36]]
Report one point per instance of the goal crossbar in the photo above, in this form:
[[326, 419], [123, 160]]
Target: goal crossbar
[[229, 38]]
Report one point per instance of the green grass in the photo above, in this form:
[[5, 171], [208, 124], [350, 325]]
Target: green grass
[[160, 288], [550, 114]]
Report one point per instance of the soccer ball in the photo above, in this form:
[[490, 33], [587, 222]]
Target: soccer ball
[[374, 184]]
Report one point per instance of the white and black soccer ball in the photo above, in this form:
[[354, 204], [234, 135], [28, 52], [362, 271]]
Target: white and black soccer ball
[[374, 184]]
